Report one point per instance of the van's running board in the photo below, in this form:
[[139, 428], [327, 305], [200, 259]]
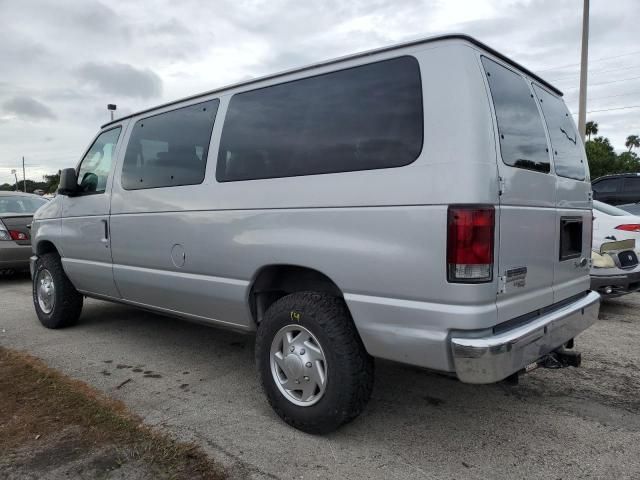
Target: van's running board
[[560, 358]]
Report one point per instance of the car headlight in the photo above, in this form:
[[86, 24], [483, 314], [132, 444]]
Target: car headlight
[[602, 261]]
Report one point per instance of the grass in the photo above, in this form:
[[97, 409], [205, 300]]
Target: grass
[[49, 418]]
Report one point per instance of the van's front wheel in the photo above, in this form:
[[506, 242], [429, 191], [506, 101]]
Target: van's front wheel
[[313, 366], [58, 304]]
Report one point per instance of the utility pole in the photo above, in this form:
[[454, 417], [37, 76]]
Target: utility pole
[[24, 177], [582, 108]]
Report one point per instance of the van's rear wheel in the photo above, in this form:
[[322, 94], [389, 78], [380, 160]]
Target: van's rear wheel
[[314, 368], [58, 304]]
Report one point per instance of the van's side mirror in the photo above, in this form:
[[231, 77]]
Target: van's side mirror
[[68, 182]]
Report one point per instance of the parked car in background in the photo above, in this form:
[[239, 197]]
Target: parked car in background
[[16, 214], [632, 208], [615, 270], [613, 223], [335, 211], [617, 189]]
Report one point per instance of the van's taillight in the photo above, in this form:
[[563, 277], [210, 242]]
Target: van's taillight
[[470, 235], [629, 227]]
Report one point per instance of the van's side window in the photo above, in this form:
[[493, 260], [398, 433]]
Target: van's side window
[[169, 149], [362, 118], [96, 164], [568, 158], [523, 142]]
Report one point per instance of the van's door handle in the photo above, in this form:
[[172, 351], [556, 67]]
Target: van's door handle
[[105, 239], [581, 263]]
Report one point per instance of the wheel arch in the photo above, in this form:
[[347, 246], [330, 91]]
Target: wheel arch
[[272, 282], [46, 246]]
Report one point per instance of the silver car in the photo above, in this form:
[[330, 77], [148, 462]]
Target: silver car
[[427, 203], [16, 213]]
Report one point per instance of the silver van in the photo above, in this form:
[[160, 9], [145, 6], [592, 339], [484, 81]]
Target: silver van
[[427, 203]]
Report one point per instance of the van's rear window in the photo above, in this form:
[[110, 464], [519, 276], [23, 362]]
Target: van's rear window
[[361, 118], [568, 155], [523, 142]]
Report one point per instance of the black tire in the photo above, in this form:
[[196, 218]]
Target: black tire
[[348, 387], [67, 300]]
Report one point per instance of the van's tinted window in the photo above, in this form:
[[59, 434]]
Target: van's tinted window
[[356, 119], [523, 142], [169, 149], [568, 158], [631, 184], [609, 185]]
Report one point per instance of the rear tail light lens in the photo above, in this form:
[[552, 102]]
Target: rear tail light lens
[[6, 234], [629, 227], [15, 235], [470, 239]]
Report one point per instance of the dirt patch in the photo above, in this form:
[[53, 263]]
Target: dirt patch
[[55, 427]]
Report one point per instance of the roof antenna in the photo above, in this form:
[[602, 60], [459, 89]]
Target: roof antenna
[[112, 108]]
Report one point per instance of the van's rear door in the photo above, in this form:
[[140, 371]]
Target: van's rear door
[[573, 192], [527, 232]]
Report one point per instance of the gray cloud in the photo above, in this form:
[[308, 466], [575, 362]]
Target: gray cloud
[[122, 79], [136, 54], [28, 107]]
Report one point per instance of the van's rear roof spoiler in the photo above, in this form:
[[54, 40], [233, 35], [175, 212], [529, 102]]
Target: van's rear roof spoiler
[[437, 38]]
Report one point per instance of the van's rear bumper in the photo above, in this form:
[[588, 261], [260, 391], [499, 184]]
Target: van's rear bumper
[[493, 357]]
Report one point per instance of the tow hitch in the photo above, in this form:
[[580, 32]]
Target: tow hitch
[[559, 358]]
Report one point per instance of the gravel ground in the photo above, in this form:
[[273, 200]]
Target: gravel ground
[[199, 384]]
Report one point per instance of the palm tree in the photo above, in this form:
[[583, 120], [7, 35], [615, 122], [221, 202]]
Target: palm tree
[[592, 129], [633, 141]]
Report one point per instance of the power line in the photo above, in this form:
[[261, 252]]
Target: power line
[[616, 108], [607, 83], [610, 109], [619, 95], [591, 61], [596, 72]]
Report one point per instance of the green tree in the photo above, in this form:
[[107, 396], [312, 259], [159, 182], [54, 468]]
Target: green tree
[[633, 141], [628, 162], [601, 157], [591, 129], [52, 182]]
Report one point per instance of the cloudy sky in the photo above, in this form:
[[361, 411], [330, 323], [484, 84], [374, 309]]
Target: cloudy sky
[[62, 61]]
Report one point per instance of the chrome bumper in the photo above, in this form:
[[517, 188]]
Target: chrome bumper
[[491, 358]]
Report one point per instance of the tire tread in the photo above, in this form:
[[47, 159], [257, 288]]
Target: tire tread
[[330, 313], [68, 303]]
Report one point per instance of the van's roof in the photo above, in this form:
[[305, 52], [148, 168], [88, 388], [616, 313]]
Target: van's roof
[[437, 38]]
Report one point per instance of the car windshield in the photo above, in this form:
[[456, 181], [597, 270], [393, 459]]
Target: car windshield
[[20, 204], [609, 209]]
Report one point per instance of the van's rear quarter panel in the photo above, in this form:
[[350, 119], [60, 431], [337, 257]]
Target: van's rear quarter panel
[[380, 235]]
